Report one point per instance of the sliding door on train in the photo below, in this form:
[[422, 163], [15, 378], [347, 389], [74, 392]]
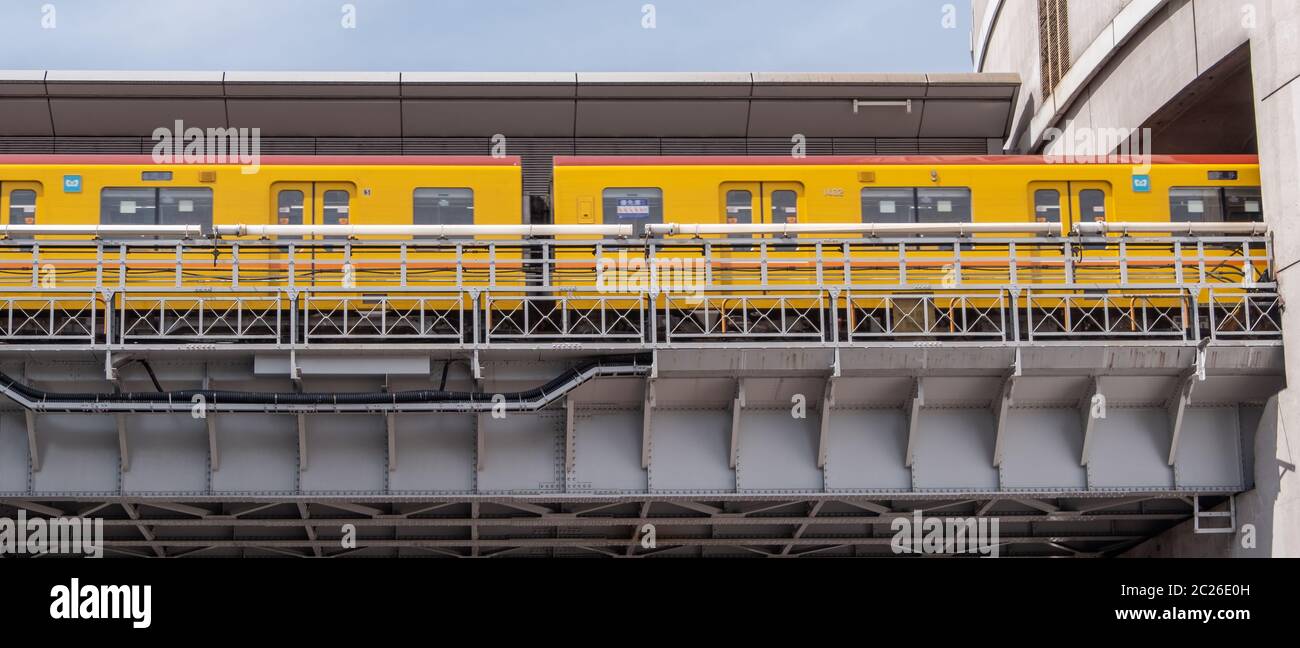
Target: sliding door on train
[[18, 206], [760, 203], [315, 203], [1069, 203]]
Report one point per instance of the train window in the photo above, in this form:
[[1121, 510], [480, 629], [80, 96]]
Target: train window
[[1092, 205], [289, 207], [943, 205], [335, 209], [740, 211], [1195, 205], [633, 206], [149, 206], [22, 207], [1047, 206], [444, 206], [888, 205], [128, 206], [1241, 204], [785, 207], [185, 206]]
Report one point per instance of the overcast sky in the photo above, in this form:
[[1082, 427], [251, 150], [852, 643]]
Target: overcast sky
[[487, 35]]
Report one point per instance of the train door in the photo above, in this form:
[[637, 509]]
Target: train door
[[19, 205], [1050, 203], [760, 203], [292, 204], [314, 203], [1091, 202], [1069, 203]]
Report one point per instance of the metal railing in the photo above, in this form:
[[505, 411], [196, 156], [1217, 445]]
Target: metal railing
[[975, 262], [639, 292]]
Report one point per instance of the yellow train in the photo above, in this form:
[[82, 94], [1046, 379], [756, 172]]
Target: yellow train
[[54, 190], [916, 190], [638, 191]]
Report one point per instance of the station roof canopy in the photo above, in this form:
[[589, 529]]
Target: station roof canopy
[[59, 103]]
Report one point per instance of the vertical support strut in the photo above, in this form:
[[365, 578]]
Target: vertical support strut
[[569, 422], [302, 442], [737, 406], [914, 418], [123, 448], [1002, 407], [1092, 408], [828, 402], [33, 449], [210, 419], [647, 412], [390, 423], [1177, 412]]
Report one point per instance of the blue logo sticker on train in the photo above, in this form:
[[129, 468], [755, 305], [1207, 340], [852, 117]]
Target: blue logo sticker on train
[[1142, 184], [71, 184]]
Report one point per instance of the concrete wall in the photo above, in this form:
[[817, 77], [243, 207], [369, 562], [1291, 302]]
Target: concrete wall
[[1129, 83], [1275, 61], [1180, 42]]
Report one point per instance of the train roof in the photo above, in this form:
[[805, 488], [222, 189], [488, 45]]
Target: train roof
[[881, 160], [274, 160]]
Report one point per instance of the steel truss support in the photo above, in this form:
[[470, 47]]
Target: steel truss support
[[779, 527]]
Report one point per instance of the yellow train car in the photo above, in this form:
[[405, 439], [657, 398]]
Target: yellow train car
[[942, 189], [281, 190]]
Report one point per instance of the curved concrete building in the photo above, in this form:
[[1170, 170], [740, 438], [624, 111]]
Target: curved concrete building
[[1205, 76]]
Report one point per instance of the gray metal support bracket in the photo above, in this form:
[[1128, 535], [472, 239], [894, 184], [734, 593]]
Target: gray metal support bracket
[[210, 419], [1176, 408], [1181, 399], [302, 442], [110, 371], [569, 423], [480, 444], [33, 449], [1088, 421], [828, 402], [390, 425], [737, 407], [1001, 406], [29, 417], [123, 447], [913, 412], [647, 413]]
